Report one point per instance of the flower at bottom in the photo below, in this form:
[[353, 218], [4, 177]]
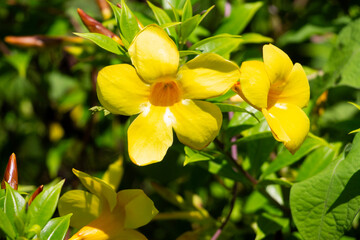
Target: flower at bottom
[[164, 96], [279, 90], [104, 214]]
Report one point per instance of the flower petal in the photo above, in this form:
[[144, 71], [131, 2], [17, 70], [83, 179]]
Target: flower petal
[[129, 234], [196, 123], [277, 63], [84, 206], [154, 54], [150, 135], [294, 90], [98, 187], [139, 209], [206, 76], [254, 84], [288, 123], [120, 90]]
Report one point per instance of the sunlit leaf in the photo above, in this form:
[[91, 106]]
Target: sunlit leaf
[[222, 44], [324, 206], [241, 14], [285, 158], [186, 11], [6, 226], [104, 42], [234, 108], [43, 206], [317, 161], [14, 205], [162, 18], [56, 228], [196, 156], [128, 24]]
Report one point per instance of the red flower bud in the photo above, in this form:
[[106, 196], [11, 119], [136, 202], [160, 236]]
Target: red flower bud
[[11, 173], [37, 192], [96, 27]]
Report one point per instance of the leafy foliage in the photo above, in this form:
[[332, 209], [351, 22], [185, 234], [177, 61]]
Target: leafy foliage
[[50, 119]]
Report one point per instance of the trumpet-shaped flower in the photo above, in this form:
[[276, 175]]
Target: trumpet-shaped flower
[[279, 90], [104, 214], [164, 95]]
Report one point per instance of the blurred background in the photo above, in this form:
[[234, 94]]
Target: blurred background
[[48, 84]]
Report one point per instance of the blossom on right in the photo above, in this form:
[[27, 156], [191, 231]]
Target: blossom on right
[[279, 89]]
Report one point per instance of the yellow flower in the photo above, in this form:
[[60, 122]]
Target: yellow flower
[[279, 89], [164, 95], [104, 214]]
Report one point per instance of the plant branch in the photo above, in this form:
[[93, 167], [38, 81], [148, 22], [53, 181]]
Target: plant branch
[[232, 203]]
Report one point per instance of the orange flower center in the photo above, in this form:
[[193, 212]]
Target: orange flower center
[[165, 93]]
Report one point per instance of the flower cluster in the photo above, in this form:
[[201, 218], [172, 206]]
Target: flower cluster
[[166, 96]]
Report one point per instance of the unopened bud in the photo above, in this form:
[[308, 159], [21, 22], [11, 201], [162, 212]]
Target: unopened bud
[[40, 41], [11, 173], [34, 195], [104, 8], [96, 27]]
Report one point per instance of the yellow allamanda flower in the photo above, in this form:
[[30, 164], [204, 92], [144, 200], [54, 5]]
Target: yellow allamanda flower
[[279, 90], [164, 95], [104, 214]]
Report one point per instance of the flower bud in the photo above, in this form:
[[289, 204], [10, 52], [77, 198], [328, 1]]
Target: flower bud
[[40, 41], [104, 8], [37, 192], [11, 173], [96, 27]]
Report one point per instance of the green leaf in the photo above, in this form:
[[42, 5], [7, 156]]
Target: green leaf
[[254, 38], [128, 23], [184, 53], [2, 199], [20, 61], [162, 18], [186, 11], [317, 161], [355, 105], [14, 206], [43, 207], [98, 187], [285, 158], [222, 44], [104, 42], [169, 195], [117, 14], [252, 137], [240, 16], [221, 168], [234, 108], [257, 150], [345, 56], [269, 224], [192, 156], [187, 27], [170, 24], [6, 226], [274, 181], [56, 228], [303, 34], [324, 206], [84, 206]]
